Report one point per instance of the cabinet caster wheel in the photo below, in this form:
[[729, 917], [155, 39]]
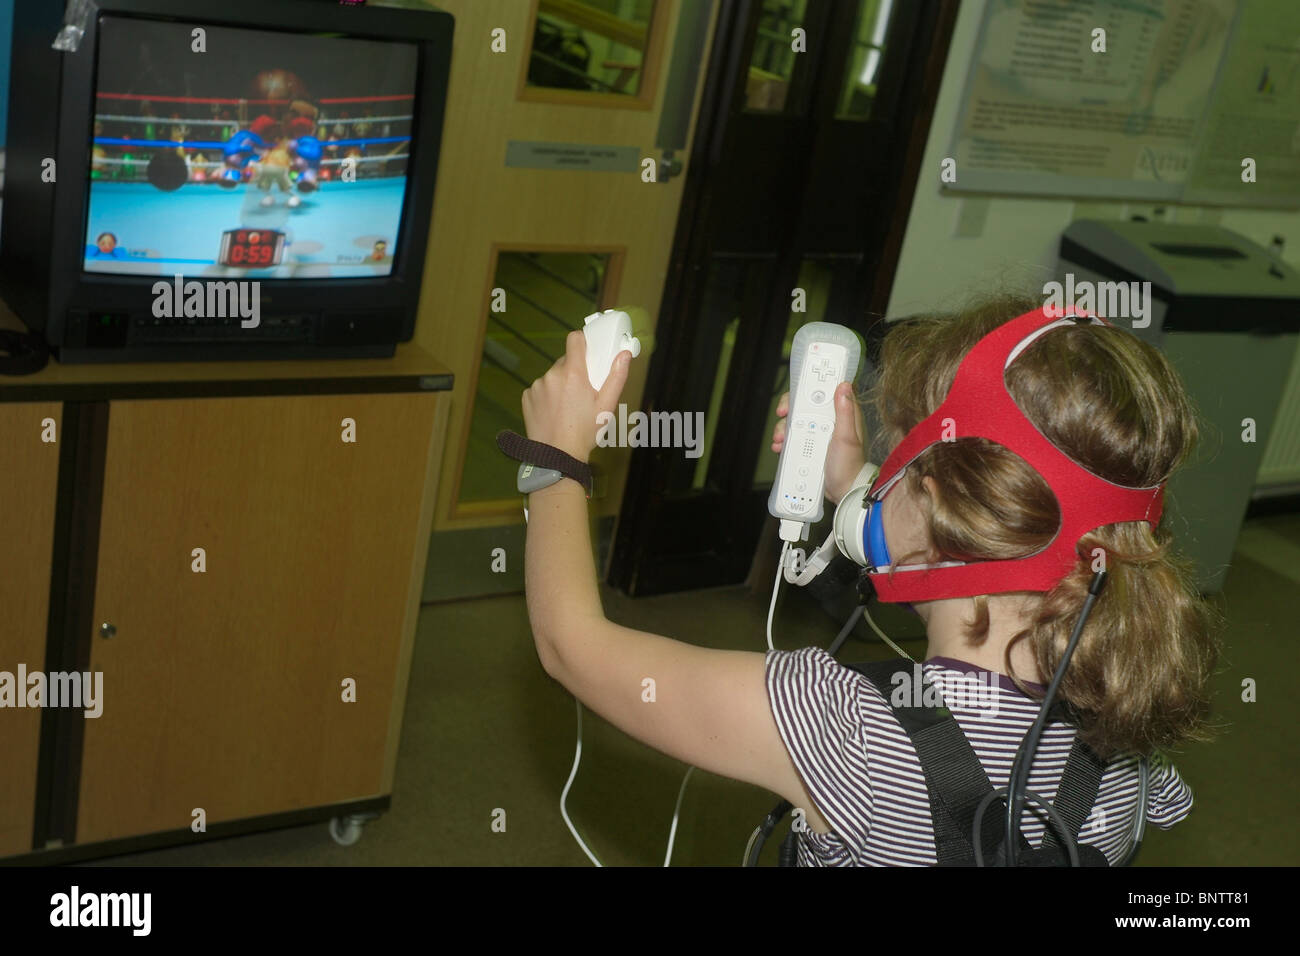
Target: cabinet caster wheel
[[347, 830]]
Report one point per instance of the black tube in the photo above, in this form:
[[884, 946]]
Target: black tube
[[787, 855], [1025, 755], [765, 829]]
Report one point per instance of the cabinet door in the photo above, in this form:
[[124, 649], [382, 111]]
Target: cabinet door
[[29, 473], [224, 687]]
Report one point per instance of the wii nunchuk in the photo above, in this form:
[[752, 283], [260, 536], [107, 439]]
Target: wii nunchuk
[[608, 333]]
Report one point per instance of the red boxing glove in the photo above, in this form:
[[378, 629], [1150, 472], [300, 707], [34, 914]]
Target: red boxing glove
[[300, 126], [265, 127]]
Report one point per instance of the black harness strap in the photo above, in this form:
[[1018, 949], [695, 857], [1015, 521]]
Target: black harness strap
[[957, 782], [954, 775], [1078, 791]]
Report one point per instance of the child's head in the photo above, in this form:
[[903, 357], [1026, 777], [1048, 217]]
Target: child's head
[[1138, 679]]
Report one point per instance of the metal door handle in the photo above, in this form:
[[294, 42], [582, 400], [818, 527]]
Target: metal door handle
[[668, 167]]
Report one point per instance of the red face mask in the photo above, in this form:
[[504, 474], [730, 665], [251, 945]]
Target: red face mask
[[979, 406]]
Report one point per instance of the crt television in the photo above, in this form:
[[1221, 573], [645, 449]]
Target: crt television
[[235, 180]]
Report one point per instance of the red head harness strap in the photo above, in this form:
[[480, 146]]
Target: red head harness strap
[[979, 405]]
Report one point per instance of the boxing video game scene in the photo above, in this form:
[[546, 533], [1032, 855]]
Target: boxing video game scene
[[247, 153]]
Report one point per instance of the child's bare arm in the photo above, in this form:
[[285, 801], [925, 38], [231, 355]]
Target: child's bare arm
[[708, 708]]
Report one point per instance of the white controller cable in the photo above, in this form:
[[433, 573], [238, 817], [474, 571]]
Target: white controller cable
[[607, 334], [780, 571], [564, 795], [672, 833]]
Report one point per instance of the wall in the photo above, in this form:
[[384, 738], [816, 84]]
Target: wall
[[1019, 240]]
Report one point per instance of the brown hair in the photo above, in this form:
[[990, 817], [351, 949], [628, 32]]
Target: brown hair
[[1138, 679]]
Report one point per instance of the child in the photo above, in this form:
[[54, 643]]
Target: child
[[822, 736]]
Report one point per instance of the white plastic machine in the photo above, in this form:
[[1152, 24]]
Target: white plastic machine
[[1226, 312]]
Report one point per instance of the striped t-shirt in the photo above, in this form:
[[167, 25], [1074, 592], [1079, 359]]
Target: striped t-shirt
[[863, 775]]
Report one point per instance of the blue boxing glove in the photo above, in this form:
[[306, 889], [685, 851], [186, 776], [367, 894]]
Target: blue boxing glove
[[307, 152], [242, 142], [239, 150], [309, 148]]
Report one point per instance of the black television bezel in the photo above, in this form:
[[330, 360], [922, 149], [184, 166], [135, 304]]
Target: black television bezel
[[72, 288]]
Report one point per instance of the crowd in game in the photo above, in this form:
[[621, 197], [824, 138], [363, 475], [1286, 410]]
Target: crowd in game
[[128, 162]]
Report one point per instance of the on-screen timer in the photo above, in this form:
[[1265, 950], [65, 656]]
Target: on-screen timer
[[251, 248]]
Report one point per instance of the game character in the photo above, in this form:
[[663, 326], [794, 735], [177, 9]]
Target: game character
[[246, 146], [105, 247], [273, 170], [352, 163], [273, 152], [147, 114], [380, 252], [305, 148]]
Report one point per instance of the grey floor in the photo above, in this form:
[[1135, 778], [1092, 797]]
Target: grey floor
[[486, 729]]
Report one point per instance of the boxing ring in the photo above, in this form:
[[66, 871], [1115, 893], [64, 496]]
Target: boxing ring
[[334, 230]]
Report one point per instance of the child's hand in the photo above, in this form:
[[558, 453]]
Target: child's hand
[[846, 454], [561, 407]]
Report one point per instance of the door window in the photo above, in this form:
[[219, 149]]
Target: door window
[[536, 300], [858, 91], [774, 64], [591, 46]]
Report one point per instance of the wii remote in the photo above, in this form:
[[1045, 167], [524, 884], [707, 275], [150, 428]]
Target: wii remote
[[822, 356]]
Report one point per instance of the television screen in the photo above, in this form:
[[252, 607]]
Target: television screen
[[247, 153]]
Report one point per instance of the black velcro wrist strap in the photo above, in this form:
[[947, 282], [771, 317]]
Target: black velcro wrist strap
[[545, 456]]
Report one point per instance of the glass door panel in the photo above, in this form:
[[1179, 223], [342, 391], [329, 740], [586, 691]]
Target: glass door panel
[[593, 46], [537, 299]]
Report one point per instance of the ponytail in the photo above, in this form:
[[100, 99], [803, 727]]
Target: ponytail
[[1139, 677]]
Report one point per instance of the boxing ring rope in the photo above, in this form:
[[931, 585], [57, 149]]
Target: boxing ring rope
[[127, 118], [282, 101], [218, 144], [323, 124], [209, 164]]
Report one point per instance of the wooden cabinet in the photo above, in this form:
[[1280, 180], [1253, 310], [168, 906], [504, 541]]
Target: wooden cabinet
[[29, 470], [256, 679]]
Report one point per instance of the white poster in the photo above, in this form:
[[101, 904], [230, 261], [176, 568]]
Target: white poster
[[1250, 153], [1096, 98]]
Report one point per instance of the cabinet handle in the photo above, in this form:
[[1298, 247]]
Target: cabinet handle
[[107, 630]]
